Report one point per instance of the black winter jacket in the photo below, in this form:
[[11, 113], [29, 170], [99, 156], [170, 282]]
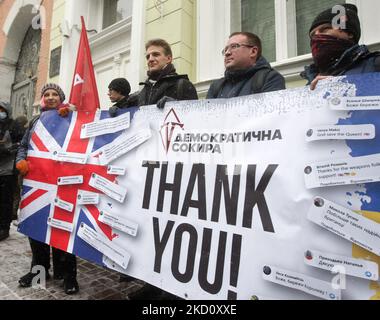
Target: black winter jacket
[[122, 104], [172, 85], [257, 79]]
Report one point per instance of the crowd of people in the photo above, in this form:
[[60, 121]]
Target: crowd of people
[[335, 51]]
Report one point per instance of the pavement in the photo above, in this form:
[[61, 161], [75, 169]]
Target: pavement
[[95, 282]]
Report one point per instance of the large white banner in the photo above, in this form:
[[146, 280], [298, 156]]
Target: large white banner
[[270, 196]]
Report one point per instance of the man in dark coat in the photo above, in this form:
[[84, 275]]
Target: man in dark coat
[[163, 83], [335, 47], [9, 141], [247, 71], [118, 93]]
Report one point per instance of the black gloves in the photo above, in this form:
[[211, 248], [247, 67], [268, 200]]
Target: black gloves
[[161, 103], [113, 111]]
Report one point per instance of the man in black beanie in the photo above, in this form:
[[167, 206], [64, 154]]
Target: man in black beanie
[[335, 34], [118, 92]]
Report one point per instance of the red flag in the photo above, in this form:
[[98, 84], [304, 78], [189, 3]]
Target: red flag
[[84, 92]]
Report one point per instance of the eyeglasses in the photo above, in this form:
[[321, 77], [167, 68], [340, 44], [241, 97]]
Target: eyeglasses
[[235, 46]]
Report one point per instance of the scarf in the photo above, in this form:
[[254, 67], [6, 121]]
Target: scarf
[[327, 50], [159, 74]]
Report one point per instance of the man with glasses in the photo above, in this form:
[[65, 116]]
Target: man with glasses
[[247, 71]]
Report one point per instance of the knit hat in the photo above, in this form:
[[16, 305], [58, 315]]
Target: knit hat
[[352, 20], [55, 87], [120, 85]]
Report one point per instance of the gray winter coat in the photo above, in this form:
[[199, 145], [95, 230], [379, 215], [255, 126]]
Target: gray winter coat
[[8, 143]]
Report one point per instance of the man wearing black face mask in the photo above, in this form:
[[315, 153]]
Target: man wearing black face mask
[[335, 47]]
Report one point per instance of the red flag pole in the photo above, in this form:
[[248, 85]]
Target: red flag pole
[[84, 92]]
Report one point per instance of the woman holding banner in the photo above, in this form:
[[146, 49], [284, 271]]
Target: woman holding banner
[[64, 264]]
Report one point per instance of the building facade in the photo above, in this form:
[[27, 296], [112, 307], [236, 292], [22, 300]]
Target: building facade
[[118, 30], [24, 52]]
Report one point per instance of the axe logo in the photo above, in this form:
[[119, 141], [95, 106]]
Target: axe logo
[[171, 122]]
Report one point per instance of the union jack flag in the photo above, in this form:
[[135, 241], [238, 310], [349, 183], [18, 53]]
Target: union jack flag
[[40, 187]]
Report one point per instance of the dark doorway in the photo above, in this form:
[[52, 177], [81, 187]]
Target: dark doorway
[[24, 87]]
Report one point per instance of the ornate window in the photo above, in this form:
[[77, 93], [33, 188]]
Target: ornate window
[[29, 57], [257, 17], [115, 11], [306, 12]]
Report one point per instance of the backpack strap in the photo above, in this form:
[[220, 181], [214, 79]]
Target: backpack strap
[[259, 79], [217, 87], [180, 88], [33, 122], [377, 62]]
